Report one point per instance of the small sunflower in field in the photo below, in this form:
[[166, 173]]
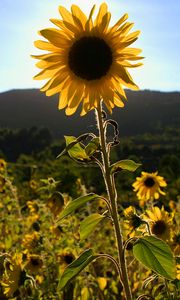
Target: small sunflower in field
[[34, 263], [56, 230], [65, 258], [56, 203], [14, 275], [132, 220], [33, 184], [149, 186], [2, 184], [161, 222], [175, 245], [3, 165], [31, 241], [32, 206], [87, 59]]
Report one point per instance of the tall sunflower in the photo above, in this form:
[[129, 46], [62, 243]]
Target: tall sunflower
[[149, 185], [87, 59]]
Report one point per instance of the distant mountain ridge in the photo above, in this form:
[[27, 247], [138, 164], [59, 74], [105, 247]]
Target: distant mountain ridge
[[145, 111]]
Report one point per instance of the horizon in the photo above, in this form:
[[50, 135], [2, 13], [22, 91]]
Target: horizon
[[159, 39], [140, 90]]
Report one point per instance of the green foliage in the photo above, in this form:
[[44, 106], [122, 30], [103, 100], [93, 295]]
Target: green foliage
[[155, 255], [89, 224], [125, 164], [77, 203], [75, 149], [76, 267], [93, 146]]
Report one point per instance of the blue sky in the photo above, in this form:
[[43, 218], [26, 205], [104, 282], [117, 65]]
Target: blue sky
[[158, 20]]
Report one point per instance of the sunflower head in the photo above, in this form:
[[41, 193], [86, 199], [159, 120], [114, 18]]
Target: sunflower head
[[33, 184], [149, 186], [87, 59], [34, 263], [2, 184], [161, 222], [56, 203], [32, 206], [31, 241], [14, 275], [65, 258], [3, 165], [132, 220], [57, 230]]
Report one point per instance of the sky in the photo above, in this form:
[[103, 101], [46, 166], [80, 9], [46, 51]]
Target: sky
[[158, 20]]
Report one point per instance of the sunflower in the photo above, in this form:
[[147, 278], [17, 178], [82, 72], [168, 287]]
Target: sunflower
[[149, 185], [31, 241], [2, 165], [33, 184], [14, 275], [56, 230], [2, 184], [161, 222], [132, 220], [87, 59], [34, 263], [32, 206], [65, 257], [56, 203]]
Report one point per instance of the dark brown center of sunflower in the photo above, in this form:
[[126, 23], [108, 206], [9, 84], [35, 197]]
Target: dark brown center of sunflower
[[35, 262], [136, 221], [68, 258], [90, 58], [159, 227], [149, 182]]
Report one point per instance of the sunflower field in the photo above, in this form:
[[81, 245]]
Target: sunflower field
[[85, 219]]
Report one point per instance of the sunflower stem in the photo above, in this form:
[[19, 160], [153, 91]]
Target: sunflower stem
[[112, 195]]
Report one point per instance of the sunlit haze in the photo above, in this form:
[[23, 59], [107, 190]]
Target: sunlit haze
[[158, 21]]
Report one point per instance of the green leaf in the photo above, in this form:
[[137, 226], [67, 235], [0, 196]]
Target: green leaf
[[93, 146], [75, 204], [75, 149], [89, 224], [155, 255], [76, 267], [125, 164]]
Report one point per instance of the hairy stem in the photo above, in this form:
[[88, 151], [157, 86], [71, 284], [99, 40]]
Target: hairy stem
[[112, 195]]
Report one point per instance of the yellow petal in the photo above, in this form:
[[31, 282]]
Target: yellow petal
[[52, 57], [45, 46], [124, 75], [79, 17], [132, 36], [89, 23], [105, 22], [66, 15], [56, 84], [129, 65], [64, 30], [118, 102], [102, 12], [45, 74], [55, 37], [118, 23]]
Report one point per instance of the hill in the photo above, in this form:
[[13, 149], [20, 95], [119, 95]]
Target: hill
[[145, 111]]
